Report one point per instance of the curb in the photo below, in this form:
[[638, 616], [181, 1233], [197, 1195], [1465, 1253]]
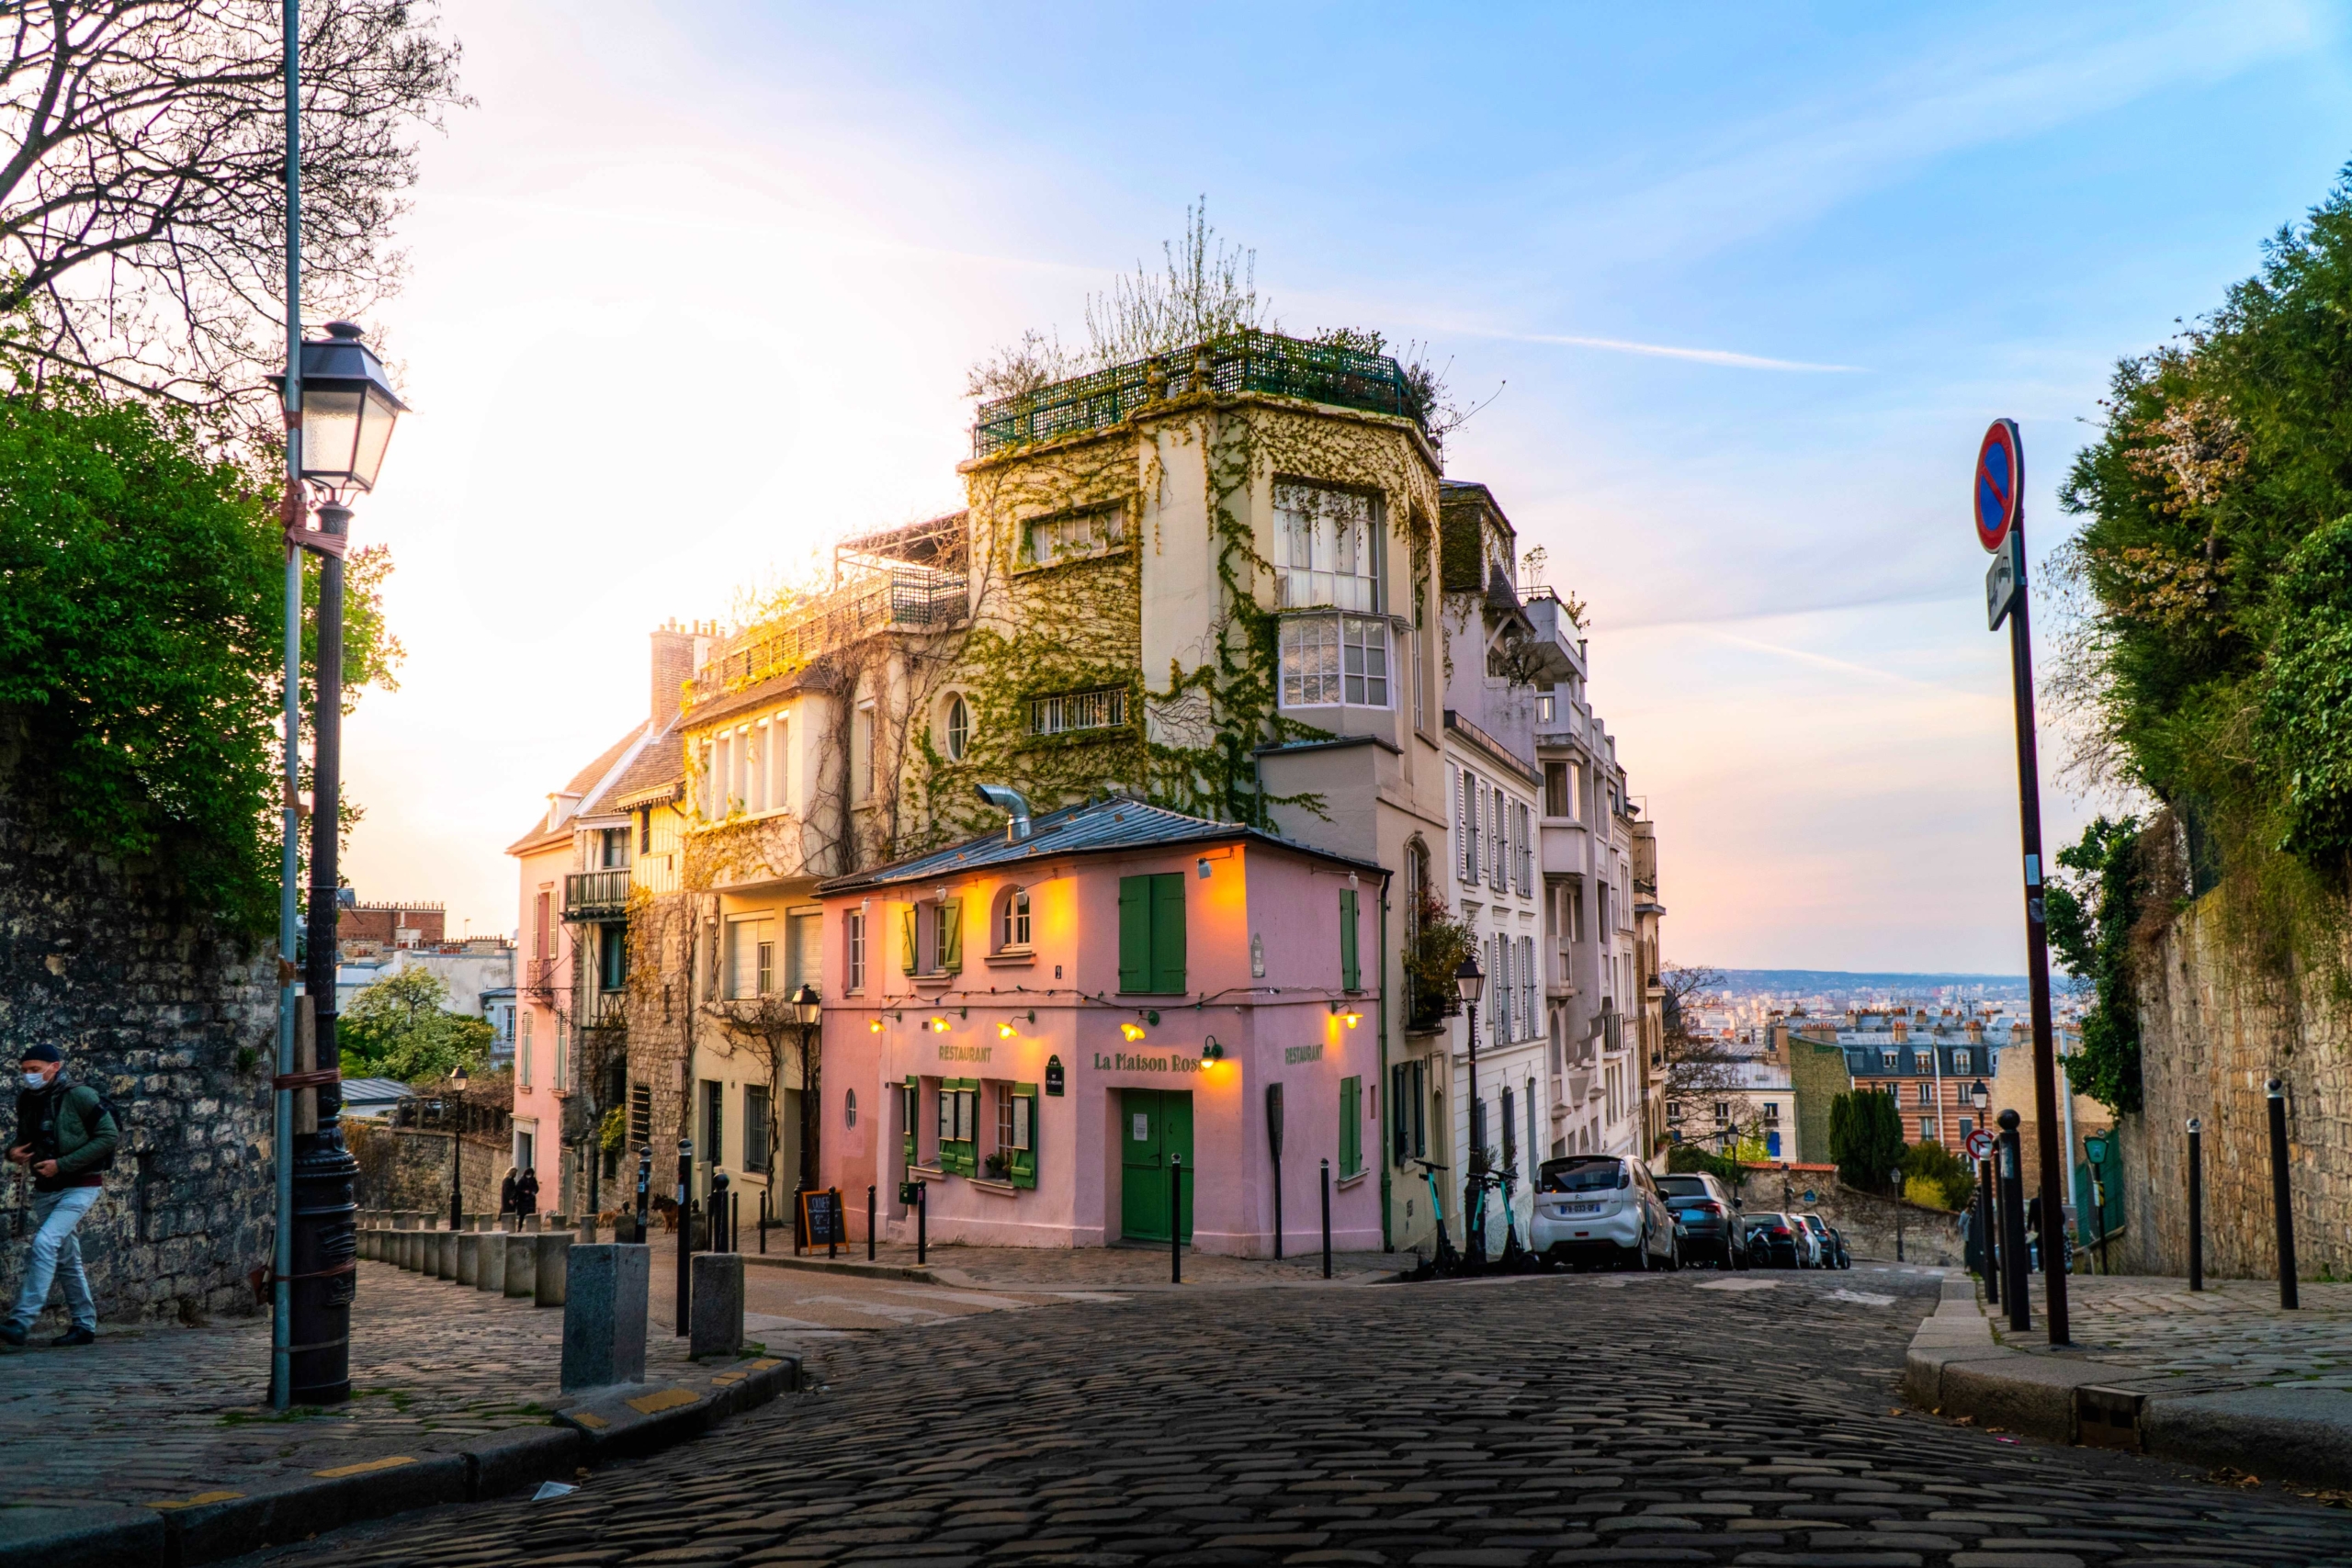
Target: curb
[[921, 1275], [1954, 1367], [607, 1424]]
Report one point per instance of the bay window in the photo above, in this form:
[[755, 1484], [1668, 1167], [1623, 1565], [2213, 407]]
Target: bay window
[[1327, 548], [1333, 660]]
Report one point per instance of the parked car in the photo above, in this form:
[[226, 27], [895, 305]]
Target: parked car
[[1710, 1218], [1832, 1245], [1602, 1209], [1778, 1241]]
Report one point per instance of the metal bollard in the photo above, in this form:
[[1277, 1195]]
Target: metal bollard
[[1985, 1254], [2280, 1198], [644, 1190], [1175, 1219], [922, 1222], [799, 1212], [2013, 1248], [718, 1207], [869, 1222], [2196, 1205], [683, 1300], [763, 1222], [833, 1227], [1327, 1219]]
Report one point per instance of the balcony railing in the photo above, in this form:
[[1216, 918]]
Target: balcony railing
[[1242, 362], [903, 596], [596, 894]]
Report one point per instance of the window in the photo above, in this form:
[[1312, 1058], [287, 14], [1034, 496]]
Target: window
[[1104, 709], [958, 728], [849, 1108], [1555, 790], [866, 741], [780, 763], [755, 1127], [1467, 792], [612, 955], [1772, 1110], [804, 950], [1326, 548], [1529, 987], [854, 950], [1673, 1110], [1511, 1129], [1967, 1126], [1408, 1111], [959, 1110], [947, 938], [614, 846], [644, 829], [1351, 1126], [1329, 660], [1151, 933], [931, 938], [714, 1123], [1927, 1129], [539, 927], [1926, 1094], [1723, 1111], [1350, 971], [1891, 1060], [755, 742], [1523, 864], [1498, 841], [1012, 921], [1546, 706], [751, 957], [1076, 536], [523, 1053]]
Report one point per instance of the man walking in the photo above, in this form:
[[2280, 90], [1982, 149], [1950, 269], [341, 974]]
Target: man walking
[[65, 1137]]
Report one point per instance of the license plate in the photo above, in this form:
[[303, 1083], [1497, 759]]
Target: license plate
[[1691, 1214], [1580, 1208]]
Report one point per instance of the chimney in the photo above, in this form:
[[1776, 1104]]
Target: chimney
[[673, 666]]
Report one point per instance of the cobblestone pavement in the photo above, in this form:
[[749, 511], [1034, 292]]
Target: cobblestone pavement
[[151, 1413], [1690, 1418], [2232, 1328], [1110, 1268], [786, 1308]]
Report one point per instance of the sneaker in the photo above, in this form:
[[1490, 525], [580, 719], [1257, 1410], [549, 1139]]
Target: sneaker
[[14, 1333], [76, 1335]]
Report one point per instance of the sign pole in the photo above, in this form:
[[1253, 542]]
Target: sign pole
[[1999, 499]]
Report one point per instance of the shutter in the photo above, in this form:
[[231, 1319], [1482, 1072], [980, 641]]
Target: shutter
[[1134, 934], [1351, 1126], [1350, 980], [907, 938], [1168, 931], [1466, 851], [951, 925], [1024, 1120], [913, 1105]]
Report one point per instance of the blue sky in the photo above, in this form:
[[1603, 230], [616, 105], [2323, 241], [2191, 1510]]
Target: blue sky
[[692, 291]]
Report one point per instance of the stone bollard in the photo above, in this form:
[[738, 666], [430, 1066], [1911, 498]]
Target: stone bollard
[[717, 1304], [490, 1271], [444, 1256], [547, 1280], [585, 1230], [603, 1315], [468, 1258], [404, 1249], [522, 1266], [404, 1220]]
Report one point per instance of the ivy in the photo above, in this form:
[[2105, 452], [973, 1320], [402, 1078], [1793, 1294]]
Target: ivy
[[2093, 905]]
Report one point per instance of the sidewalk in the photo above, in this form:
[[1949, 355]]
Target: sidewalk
[[1053, 1269], [2218, 1377], [452, 1395]]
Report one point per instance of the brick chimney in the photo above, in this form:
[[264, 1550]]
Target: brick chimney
[[677, 652]]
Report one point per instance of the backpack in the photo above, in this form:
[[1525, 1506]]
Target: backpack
[[105, 1108]]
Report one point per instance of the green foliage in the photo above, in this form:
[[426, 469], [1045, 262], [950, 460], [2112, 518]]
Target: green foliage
[[612, 1132], [396, 1029], [1933, 1174], [140, 624], [2094, 901], [1692, 1158], [1434, 949], [1865, 1138]]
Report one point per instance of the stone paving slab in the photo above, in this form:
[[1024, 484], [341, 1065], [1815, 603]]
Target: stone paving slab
[[2233, 1330]]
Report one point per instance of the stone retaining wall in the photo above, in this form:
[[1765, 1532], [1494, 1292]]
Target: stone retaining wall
[[408, 1168], [1867, 1220]]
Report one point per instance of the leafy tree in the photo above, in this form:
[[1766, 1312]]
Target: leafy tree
[[2093, 902], [1865, 1138], [1933, 1175], [399, 1028], [141, 634]]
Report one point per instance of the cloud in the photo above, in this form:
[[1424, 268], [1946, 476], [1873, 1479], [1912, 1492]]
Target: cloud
[[1666, 351]]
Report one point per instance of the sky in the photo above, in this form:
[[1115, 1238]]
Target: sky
[[692, 290]]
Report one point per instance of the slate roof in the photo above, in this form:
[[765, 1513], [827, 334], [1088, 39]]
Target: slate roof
[[1104, 827], [661, 766]]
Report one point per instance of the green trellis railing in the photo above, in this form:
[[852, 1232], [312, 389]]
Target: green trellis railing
[[1243, 362]]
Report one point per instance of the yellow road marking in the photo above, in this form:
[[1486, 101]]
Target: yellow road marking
[[668, 1399], [199, 1500], [339, 1471], [587, 1418]]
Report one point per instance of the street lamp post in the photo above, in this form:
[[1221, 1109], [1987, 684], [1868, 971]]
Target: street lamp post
[[1982, 1098], [807, 1012], [1470, 982], [456, 1100], [1895, 1176]]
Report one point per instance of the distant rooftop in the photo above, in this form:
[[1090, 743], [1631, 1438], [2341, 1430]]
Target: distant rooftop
[[1242, 362]]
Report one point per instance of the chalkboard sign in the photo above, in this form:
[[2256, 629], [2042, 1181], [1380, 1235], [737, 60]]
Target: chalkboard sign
[[822, 1220]]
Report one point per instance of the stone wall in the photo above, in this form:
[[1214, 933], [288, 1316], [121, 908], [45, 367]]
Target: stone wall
[[2212, 1032], [1867, 1220], [408, 1168], [179, 1024]]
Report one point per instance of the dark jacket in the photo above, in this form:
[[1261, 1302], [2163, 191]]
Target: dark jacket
[[66, 1122], [527, 1193], [507, 1192]]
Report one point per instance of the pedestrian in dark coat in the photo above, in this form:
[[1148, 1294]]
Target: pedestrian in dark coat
[[527, 1194], [509, 1193]]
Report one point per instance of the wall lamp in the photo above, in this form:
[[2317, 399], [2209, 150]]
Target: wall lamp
[[1349, 1012], [1211, 1051], [1131, 1030]]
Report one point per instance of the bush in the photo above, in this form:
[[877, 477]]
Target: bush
[[1689, 1158], [1936, 1177]]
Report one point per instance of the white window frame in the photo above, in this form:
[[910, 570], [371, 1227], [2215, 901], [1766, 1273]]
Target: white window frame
[[853, 951], [1327, 547]]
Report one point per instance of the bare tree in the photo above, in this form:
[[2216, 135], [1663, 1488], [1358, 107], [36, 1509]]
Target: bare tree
[[142, 202], [768, 1022], [1699, 1068]]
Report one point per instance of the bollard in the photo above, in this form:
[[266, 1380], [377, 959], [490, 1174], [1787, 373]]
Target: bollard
[[718, 1306], [411, 1241], [869, 1222], [1327, 1219], [522, 1265], [584, 1231], [833, 1227], [2013, 1247], [469, 1257], [603, 1315], [444, 1256], [552, 1250], [681, 1304], [1175, 1219], [644, 1190], [490, 1273], [2196, 1205], [1984, 1252], [922, 1222], [2281, 1197], [718, 1205], [763, 1222], [800, 1211]]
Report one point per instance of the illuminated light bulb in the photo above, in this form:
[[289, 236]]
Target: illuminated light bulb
[[876, 1026], [1352, 1017], [1004, 1032], [1131, 1030], [939, 1026]]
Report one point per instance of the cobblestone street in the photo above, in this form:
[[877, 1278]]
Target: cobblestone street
[[1692, 1418]]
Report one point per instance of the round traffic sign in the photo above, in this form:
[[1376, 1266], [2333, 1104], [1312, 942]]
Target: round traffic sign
[[1980, 1145], [2000, 477]]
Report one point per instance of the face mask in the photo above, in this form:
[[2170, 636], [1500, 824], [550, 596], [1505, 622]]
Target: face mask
[[36, 1080]]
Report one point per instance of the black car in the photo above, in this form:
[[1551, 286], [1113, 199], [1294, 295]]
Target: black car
[[1833, 1243], [1773, 1242], [1707, 1218]]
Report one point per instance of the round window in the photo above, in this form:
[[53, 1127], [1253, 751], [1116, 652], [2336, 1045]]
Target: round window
[[959, 729], [849, 1109]]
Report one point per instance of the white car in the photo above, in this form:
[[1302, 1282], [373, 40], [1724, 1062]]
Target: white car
[[1602, 1209]]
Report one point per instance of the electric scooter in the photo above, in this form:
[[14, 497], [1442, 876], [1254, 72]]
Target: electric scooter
[[1447, 1262]]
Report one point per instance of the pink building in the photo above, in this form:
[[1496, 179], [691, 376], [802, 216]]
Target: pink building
[[1039, 1025]]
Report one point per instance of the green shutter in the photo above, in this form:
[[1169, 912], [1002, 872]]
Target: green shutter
[[1351, 1126], [913, 1105], [961, 1149], [1134, 934], [951, 924], [907, 938], [1168, 931], [1024, 1161], [1351, 973]]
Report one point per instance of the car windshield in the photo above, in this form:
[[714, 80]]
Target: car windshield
[[1597, 1175], [1812, 1223], [1683, 1186]]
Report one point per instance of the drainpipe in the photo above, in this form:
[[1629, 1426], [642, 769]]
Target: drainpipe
[[1387, 1110]]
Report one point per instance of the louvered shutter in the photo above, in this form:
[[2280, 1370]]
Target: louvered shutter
[[1134, 934], [1168, 931]]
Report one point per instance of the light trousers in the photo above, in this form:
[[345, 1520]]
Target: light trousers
[[57, 1257]]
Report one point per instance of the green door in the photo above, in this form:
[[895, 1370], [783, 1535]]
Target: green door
[[1155, 1126]]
